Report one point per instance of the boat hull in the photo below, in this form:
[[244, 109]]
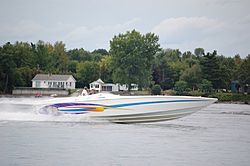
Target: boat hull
[[128, 109]]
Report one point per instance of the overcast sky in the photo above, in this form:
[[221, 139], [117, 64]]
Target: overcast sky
[[222, 25]]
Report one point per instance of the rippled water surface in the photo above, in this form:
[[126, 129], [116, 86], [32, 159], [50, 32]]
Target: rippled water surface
[[216, 135]]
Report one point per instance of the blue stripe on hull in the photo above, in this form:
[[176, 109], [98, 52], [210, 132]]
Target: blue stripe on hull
[[150, 102]]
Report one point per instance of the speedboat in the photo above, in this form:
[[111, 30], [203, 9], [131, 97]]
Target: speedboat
[[125, 109]]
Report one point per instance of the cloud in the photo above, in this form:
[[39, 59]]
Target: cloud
[[73, 36], [184, 33], [179, 30], [99, 36], [23, 29], [29, 30], [245, 20], [189, 33]]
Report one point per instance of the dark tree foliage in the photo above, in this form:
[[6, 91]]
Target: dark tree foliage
[[100, 51], [72, 66], [166, 74], [186, 55], [74, 54], [6, 66], [244, 72], [156, 75], [211, 70]]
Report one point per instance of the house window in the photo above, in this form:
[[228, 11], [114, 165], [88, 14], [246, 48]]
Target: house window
[[96, 85], [60, 84], [104, 88], [38, 84], [69, 83], [109, 88]]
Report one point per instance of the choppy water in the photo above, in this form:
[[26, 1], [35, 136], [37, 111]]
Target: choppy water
[[216, 135]]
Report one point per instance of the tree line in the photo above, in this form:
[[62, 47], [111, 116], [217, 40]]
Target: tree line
[[132, 58]]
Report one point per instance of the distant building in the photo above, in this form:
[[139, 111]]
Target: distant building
[[53, 81], [96, 85], [99, 86], [233, 88], [241, 89]]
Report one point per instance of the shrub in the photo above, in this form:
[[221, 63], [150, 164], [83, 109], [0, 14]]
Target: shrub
[[156, 90]]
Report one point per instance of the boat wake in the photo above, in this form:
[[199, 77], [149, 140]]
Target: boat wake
[[21, 109]]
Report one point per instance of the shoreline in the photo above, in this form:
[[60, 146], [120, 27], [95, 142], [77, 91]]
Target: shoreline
[[73, 94], [233, 102]]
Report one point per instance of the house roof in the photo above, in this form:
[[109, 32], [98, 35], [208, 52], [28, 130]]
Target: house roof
[[51, 77], [99, 81]]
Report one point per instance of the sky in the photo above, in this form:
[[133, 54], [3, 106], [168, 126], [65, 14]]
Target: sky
[[221, 25]]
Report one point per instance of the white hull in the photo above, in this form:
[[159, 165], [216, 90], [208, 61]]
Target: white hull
[[127, 109]]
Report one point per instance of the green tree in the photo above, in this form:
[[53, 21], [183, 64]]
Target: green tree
[[167, 75], [192, 62], [186, 55], [85, 56], [192, 76], [165, 72], [21, 54], [225, 78], [97, 57], [156, 75], [199, 52], [61, 57], [26, 75], [106, 69], [73, 66], [177, 67], [180, 86], [74, 54], [244, 71], [87, 72], [52, 64], [229, 68], [211, 69], [172, 55], [41, 55], [206, 85], [100, 51], [15, 80], [7, 66], [132, 56]]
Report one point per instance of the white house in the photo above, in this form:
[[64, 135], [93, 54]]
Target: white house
[[53, 81], [96, 85], [99, 85]]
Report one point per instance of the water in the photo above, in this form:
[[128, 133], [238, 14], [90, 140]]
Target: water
[[216, 135]]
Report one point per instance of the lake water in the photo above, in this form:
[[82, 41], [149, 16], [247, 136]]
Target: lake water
[[216, 135]]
